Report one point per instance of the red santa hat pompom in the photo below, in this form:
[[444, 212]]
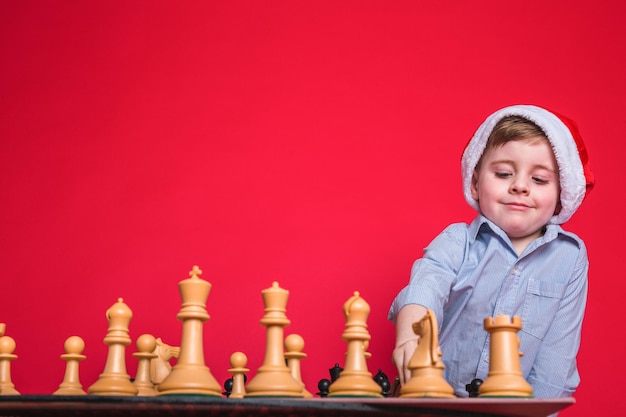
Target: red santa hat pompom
[[576, 179]]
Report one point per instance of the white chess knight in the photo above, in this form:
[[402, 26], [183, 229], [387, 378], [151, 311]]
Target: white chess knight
[[160, 366]]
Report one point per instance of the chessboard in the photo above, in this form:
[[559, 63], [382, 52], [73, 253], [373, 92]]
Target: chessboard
[[276, 389], [96, 406]]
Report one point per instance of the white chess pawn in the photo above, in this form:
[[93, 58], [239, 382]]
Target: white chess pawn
[[238, 362], [74, 346], [146, 343], [7, 347], [294, 345]]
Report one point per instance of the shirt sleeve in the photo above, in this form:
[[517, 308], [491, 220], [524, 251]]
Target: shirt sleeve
[[433, 275], [554, 373]]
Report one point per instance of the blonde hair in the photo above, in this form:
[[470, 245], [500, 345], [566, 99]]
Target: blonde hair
[[513, 128]]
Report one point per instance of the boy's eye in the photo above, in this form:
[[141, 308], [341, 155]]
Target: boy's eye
[[503, 174], [540, 180]]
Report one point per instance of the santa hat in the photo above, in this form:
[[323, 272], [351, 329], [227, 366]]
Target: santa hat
[[576, 178]]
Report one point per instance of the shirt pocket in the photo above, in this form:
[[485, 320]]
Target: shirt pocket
[[540, 306]]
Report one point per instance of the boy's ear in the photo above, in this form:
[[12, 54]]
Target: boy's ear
[[474, 186]]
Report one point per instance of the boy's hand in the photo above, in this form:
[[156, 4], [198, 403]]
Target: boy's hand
[[406, 339], [401, 356]]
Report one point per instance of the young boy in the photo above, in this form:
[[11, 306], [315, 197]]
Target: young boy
[[525, 171]]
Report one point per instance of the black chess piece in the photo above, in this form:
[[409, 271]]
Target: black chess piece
[[382, 380], [323, 386], [334, 372], [228, 387], [472, 387], [395, 387]]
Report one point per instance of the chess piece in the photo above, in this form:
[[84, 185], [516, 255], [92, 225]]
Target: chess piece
[[294, 344], [323, 386], [74, 346], [425, 365], [355, 379], [383, 380], [334, 372], [160, 366], [7, 347], [115, 380], [228, 387], [273, 378], [505, 378], [395, 387], [366, 353], [238, 361], [473, 387], [190, 375], [146, 344]]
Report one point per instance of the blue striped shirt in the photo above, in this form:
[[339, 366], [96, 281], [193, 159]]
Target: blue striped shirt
[[471, 272]]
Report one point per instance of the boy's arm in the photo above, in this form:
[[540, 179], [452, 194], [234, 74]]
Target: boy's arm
[[431, 280], [406, 339]]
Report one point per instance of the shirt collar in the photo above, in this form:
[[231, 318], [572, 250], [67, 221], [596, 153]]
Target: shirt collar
[[478, 224], [481, 222]]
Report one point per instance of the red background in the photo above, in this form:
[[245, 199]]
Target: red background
[[312, 143]]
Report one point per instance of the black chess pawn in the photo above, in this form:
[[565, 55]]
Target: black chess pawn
[[323, 386], [382, 380], [228, 387], [472, 387]]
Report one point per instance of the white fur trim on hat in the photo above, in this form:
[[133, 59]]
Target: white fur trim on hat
[[571, 175]]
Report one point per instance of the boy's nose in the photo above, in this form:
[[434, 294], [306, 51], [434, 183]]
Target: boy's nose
[[519, 186]]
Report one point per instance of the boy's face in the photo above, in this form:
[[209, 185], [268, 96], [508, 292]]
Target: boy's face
[[517, 188]]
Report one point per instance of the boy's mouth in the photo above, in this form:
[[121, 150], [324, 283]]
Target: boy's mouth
[[517, 205]]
